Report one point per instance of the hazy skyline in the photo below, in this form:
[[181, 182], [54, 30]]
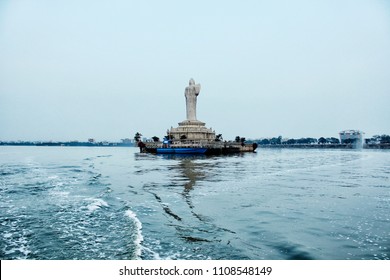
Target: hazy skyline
[[73, 70]]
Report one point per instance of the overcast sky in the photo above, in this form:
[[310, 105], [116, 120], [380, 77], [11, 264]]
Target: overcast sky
[[73, 70]]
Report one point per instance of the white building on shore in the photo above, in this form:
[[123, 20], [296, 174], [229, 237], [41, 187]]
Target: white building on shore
[[352, 137]]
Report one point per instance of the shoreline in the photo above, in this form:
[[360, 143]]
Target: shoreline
[[325, 146], [68, 144], [269, 146]]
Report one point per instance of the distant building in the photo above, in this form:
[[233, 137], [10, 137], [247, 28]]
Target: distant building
[[352, 137], [127, 141]]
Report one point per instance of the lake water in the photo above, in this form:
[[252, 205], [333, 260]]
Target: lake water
[[114, 203]]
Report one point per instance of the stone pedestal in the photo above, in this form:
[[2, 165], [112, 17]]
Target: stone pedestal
[[192, 130]]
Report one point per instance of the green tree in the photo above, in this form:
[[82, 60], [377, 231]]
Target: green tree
[[155, 139], [291, 141], [302, 141], [276, 141], [385, 139], [218, 138], [169, 137], [349, 141], [238, 138], [137, 137], [264, 141], [322, 140], [334, 140]]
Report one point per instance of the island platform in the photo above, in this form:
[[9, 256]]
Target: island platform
[[205, 148]]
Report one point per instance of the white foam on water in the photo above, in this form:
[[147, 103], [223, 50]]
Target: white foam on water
[[19, 245], [155, 255], [96, 204], [60, 194], [139, 239]]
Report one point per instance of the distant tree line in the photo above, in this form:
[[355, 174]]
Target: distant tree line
[[300, 141], [378, 139], [271, 141]]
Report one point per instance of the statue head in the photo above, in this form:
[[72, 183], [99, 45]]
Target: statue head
[[192, 82]]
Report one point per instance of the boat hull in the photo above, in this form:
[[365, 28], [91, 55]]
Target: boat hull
[[181, 150]]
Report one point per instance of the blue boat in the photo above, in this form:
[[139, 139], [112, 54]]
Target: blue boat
[[180, 150]]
